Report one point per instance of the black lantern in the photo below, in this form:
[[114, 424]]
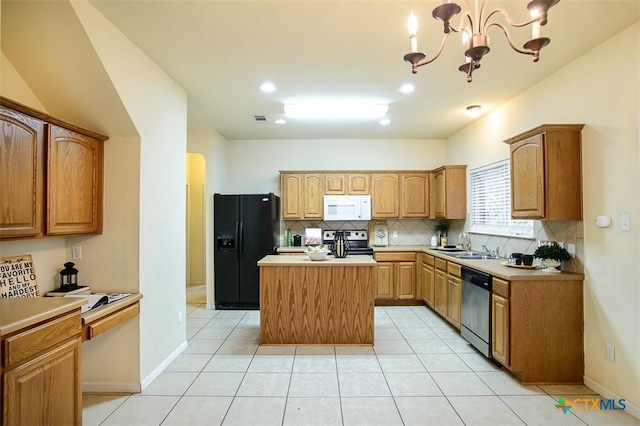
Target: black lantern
[[69, 277]]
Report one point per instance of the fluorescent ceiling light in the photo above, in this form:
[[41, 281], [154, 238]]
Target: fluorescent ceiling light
[[280, 121], [384, 122], [268, 87], [474, 111], [336, 110], [407, 88]]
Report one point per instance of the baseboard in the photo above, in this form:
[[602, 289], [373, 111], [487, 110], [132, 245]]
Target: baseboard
[[163, 365], [211, 306], [608, 394], [110, 387]]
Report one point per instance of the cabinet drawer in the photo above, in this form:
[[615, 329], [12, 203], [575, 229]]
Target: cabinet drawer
[[454, 269], [105, 324], [441, 264], [37, 339], [500, 287], [395, 257], [428, 259]]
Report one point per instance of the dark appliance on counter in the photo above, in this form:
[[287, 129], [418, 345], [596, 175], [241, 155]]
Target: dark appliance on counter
[[475, 312], [246, 229], [358, 241], [297, 240]]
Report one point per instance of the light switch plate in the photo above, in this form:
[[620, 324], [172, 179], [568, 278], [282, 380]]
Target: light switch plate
[[624, 222]]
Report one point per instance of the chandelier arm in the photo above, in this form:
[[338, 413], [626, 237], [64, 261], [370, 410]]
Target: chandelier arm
[[508, 18], [460, 28], [509, 40], [442, 44], [468, 15]]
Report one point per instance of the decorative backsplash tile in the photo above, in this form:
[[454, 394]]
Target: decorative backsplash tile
[[411, 232]]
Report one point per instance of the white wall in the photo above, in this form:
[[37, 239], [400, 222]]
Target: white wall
[[255, 164], [601, 90]]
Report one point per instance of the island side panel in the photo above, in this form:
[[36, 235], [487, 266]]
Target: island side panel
[[316, 305]]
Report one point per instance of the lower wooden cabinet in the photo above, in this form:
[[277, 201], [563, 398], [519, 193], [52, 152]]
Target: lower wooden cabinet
[[440, 292], [395, 276], [427, 280], [41, 373], [500, 329], [454, 294]]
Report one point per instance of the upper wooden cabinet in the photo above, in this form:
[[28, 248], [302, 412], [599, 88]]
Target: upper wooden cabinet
[[35, 149], [546, 173], [346, 184], [302, 195], [414, 194], [21, 175], [384, 195], [450, 192], [75, 173]]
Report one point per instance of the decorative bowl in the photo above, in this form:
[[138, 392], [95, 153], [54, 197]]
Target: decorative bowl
[[318, 255]]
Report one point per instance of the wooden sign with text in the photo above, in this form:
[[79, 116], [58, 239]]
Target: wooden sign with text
[[18, 277]]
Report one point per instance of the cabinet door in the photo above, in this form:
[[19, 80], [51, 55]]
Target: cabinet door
[[440, 194], [292, 185], [46, 390], [335, 184], [75, 173], [313, 196], [384, 195], [414, 195], [500, 329], [527, 178], [405, 280], [21, 175], [440, 292], [454, 300], [384, 280], [358, 184], [427, 277]]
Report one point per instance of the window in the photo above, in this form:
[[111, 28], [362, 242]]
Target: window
[[491, 203]]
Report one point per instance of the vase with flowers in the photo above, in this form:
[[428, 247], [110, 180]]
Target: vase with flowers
[[552, 256]]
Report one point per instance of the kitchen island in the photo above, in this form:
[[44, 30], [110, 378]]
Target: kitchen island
[[316, 302]]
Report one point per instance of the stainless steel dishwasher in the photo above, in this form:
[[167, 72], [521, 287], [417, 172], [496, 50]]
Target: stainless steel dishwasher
[[476, 309]]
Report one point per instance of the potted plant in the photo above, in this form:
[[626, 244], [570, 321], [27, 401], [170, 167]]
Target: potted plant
[[552, 256]]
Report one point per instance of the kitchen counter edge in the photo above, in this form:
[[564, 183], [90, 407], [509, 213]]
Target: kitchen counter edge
[[22, 312]]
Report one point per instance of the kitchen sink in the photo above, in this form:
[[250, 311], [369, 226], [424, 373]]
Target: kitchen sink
[[470, 256]]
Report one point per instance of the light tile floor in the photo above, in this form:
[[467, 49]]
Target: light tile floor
[[420, 372]]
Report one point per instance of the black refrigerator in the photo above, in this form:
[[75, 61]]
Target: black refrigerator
[[246, 228]]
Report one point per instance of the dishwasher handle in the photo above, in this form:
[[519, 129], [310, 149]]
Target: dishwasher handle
[[477, 278]]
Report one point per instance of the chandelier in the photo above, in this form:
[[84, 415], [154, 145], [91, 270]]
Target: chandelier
[[474, 26]]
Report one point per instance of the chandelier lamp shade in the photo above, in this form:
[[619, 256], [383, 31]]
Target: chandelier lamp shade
[[474, 26]]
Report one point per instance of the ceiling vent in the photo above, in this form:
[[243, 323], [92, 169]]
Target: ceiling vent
[[260, 118]]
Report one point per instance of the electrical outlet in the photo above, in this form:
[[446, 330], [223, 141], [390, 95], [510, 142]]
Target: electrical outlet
[[395, 234], [571, 248], [76, 252], [611, 352], [179, 317]]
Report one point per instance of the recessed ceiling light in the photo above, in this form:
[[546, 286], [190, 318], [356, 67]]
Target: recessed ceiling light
[[336, 110], [474, 111], [384, 122], [280, 121], [407, 88], [268, 87]]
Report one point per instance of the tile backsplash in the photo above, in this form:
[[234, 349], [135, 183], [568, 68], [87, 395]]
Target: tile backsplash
[[410, 232]]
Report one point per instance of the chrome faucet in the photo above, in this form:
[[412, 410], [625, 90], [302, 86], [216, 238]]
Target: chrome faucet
[[494, 254], [497, 252], [485, 249]]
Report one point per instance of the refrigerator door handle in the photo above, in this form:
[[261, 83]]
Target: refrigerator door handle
[[240, 238]]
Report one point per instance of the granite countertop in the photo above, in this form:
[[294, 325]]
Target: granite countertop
[[22, 312], [275, 260]]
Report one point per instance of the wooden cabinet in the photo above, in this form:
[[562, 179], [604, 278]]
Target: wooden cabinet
[[385, 195], [41, 373], [346, 183], [395, 276], [21, 175], [292, 203], [525, 337], [52, 191], [414, 195], [74, 184], [313, 196], [454, 294], [450, 192], [500, 321], [427, 279], [546, 173], [440, 287]]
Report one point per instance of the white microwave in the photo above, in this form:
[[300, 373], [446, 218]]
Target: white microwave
[[347, 207]]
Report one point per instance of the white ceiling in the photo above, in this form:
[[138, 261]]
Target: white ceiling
[[221, 51]]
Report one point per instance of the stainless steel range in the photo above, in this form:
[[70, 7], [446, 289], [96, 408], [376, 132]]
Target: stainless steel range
[[358, 241]]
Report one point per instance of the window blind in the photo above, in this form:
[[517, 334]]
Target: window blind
[[491, 203]]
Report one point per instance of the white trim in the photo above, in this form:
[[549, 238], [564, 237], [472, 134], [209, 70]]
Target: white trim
[[163, 365], [609, 394], [210, 306], [110, 387]]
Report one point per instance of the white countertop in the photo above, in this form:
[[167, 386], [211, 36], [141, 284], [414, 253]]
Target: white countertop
[[303, 260]]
